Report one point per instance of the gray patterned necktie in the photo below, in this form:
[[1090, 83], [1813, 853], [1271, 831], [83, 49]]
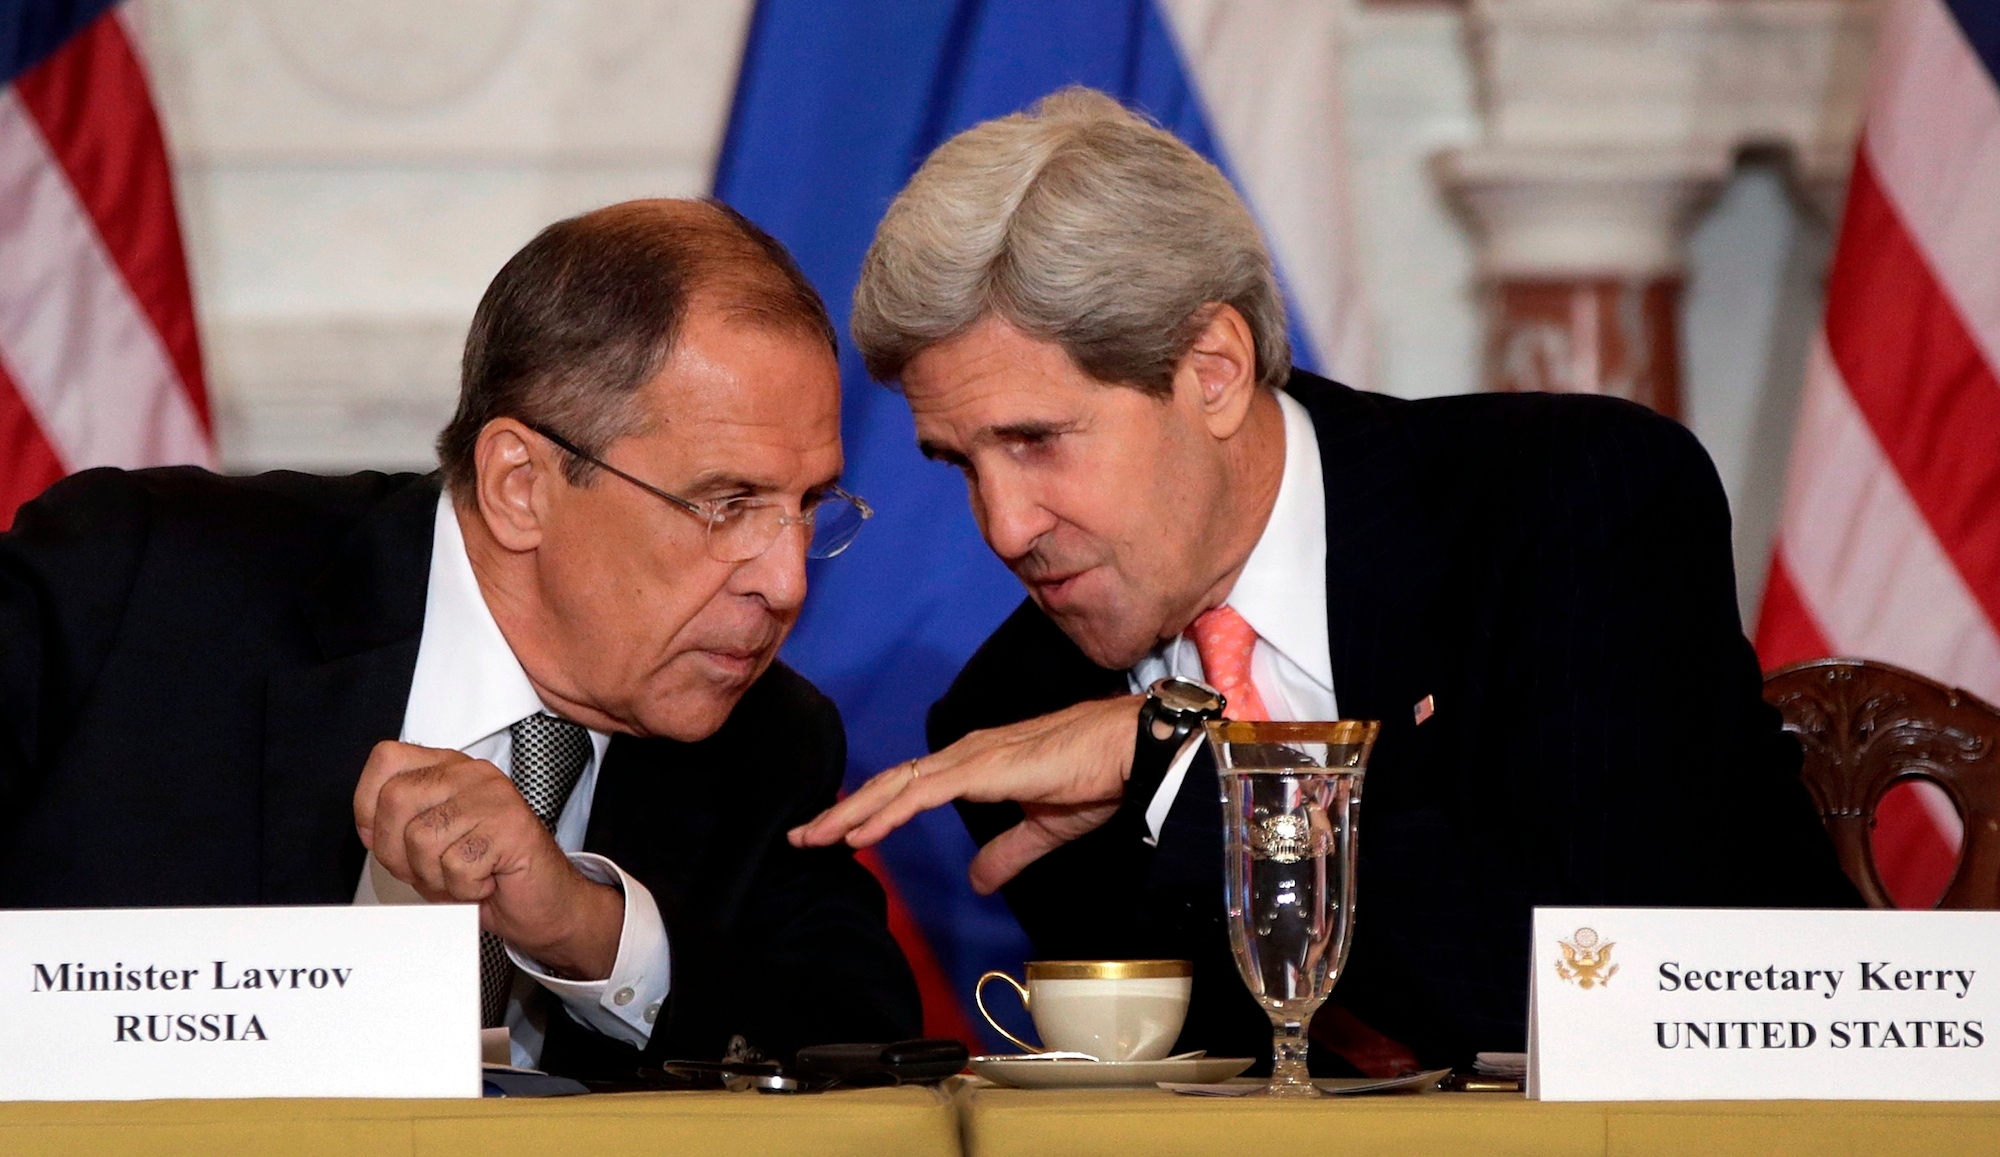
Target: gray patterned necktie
[[549, 757]]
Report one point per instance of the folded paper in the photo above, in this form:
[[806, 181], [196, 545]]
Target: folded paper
[[132, 1004], [1696, 1004]]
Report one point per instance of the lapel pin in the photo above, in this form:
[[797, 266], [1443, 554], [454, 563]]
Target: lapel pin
[[1426, 707]]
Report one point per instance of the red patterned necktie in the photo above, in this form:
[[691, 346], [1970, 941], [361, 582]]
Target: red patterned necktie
[[1225, 641]]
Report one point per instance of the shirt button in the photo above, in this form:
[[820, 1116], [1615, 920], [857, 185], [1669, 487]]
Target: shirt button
[[622, 997], [652, 1012]]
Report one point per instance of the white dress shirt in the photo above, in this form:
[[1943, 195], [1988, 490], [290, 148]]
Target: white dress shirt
[[1282, 595], [468, 691]]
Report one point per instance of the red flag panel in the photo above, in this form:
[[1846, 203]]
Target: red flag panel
[[1890, 546], [92, 103]]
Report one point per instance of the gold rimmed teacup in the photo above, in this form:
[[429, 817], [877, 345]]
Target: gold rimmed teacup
[[1114, 1010]]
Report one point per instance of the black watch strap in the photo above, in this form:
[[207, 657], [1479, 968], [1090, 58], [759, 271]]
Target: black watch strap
[[1175, 709]]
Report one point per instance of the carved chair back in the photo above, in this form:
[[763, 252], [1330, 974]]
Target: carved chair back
[[1866, 726]]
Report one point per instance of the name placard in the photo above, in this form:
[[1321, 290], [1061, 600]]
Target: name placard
[[1638, 1004], [132, 1004]]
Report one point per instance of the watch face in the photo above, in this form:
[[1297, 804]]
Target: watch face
[[1186, 695]]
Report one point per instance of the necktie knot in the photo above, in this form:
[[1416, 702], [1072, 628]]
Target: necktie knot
[[1225, 640]]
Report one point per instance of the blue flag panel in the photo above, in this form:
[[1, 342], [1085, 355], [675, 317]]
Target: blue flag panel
[[836, 106], [1980, 21], [30, 30]]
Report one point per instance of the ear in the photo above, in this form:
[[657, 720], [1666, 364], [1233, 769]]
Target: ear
[[1219, 371], [516, 468]]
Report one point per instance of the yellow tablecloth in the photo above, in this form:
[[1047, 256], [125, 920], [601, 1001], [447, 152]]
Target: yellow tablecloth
[[996, 1123], [868, 1122], [1149, 1123]]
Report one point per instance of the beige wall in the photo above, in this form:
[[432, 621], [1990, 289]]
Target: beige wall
[[352, 174]]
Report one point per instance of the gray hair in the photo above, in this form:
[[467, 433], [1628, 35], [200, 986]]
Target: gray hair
[[1078, 222]]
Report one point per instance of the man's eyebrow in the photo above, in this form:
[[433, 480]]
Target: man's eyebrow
[[722, 482], [1009, 432], [1028, 430]]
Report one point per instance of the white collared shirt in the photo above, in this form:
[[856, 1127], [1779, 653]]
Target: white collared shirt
[[1282, 595], [469, 689]]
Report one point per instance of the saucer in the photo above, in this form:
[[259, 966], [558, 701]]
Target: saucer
[[1331, 1086], [1032, 1073]]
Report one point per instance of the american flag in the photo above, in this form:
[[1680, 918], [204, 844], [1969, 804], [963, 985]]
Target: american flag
[[1889, 544], [99, 365]]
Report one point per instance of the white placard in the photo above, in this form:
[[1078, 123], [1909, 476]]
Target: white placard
[[1663, 1004], [132, 1004]]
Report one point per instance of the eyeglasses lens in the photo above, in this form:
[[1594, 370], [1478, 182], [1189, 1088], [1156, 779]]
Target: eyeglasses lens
[[835, 523], [744, 531]]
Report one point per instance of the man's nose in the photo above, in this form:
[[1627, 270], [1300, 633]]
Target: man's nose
[[1011, 516], [778, 576]]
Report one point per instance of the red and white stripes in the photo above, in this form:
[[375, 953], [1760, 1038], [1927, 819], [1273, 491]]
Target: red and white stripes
[[99, 364], [1889, 547]]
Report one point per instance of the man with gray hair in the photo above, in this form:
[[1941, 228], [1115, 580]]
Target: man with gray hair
[[543, 680], [1532, 593]]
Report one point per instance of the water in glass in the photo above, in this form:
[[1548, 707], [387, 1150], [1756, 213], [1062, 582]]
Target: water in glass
[[1289, 824]]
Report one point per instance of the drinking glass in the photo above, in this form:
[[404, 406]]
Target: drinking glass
[[1291, 793]]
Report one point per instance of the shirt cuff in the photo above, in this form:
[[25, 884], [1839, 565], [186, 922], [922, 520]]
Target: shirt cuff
[[624, 1005], [1170, 786]]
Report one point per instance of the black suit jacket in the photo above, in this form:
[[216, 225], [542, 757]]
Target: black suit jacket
[[193, 670], [1555, 572]]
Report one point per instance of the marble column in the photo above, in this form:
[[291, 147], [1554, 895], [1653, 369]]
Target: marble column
[[1602, 335], [1608, 127], [1581, 261]]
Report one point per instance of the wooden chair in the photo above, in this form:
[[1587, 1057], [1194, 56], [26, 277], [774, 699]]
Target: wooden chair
[[1866, 726]]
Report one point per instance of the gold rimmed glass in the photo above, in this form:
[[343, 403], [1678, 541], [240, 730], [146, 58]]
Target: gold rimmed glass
[[1291, 799]]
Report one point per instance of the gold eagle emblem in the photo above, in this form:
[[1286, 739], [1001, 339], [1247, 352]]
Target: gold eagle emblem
[[1586, 959]]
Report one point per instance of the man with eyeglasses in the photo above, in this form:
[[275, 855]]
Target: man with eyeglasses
[[542, 680]]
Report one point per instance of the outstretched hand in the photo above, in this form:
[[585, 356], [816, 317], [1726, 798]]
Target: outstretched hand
[[1067, 770]]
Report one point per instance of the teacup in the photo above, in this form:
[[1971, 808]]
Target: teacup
[[1115, 1010]]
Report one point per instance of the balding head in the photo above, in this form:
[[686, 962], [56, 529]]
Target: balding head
[[589, 310]]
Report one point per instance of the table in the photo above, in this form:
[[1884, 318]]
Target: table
[[996, 1123], [1129, 1122], [866, 1122]]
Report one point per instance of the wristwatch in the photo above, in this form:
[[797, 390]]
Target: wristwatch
[[1175, 708]]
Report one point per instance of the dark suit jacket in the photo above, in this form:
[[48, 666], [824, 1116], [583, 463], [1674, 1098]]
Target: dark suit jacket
[[1555, 571], [193, 670]]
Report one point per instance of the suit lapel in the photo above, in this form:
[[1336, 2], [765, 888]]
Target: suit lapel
[[1383, 559], [366, 614], [1382, 570], [673, 812], [654, 808]]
